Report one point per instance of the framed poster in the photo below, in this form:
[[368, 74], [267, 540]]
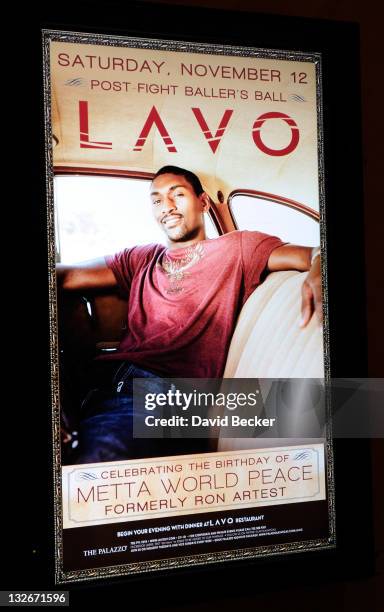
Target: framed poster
[[187, 260]]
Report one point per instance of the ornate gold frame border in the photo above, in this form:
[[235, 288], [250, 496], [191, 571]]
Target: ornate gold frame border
[[216, 557]]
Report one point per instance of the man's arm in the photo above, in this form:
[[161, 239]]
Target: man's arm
[[91, 274], [301, 258]]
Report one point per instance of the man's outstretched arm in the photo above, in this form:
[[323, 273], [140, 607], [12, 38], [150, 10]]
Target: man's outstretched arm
[[91, 274], [301, 258]]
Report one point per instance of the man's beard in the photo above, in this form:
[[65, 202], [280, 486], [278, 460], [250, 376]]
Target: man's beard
[[181, 233]]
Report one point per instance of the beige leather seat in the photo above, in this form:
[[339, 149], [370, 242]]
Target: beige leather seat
[[268, 343]]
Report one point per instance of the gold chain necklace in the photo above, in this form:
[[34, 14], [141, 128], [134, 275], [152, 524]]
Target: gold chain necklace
[[175, 269]]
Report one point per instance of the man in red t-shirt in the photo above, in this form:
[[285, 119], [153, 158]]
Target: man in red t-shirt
[[184, 299]]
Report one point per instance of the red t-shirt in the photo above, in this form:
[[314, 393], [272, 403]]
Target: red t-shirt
[[183, 303]]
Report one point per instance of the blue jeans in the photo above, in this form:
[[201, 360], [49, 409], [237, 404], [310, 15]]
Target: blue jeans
[[105, 430]]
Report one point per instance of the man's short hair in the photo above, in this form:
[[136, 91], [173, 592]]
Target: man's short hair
[[189, 176]]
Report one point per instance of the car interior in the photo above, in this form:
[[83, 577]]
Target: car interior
[[267, 341]]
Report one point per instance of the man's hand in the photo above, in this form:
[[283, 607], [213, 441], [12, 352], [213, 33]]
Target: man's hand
[[311, 294], [295, 257]]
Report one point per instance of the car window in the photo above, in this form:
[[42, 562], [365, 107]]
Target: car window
[[291, 225], [99, 215]]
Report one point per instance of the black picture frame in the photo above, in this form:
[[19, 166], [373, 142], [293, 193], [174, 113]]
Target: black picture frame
[[344, 210]]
